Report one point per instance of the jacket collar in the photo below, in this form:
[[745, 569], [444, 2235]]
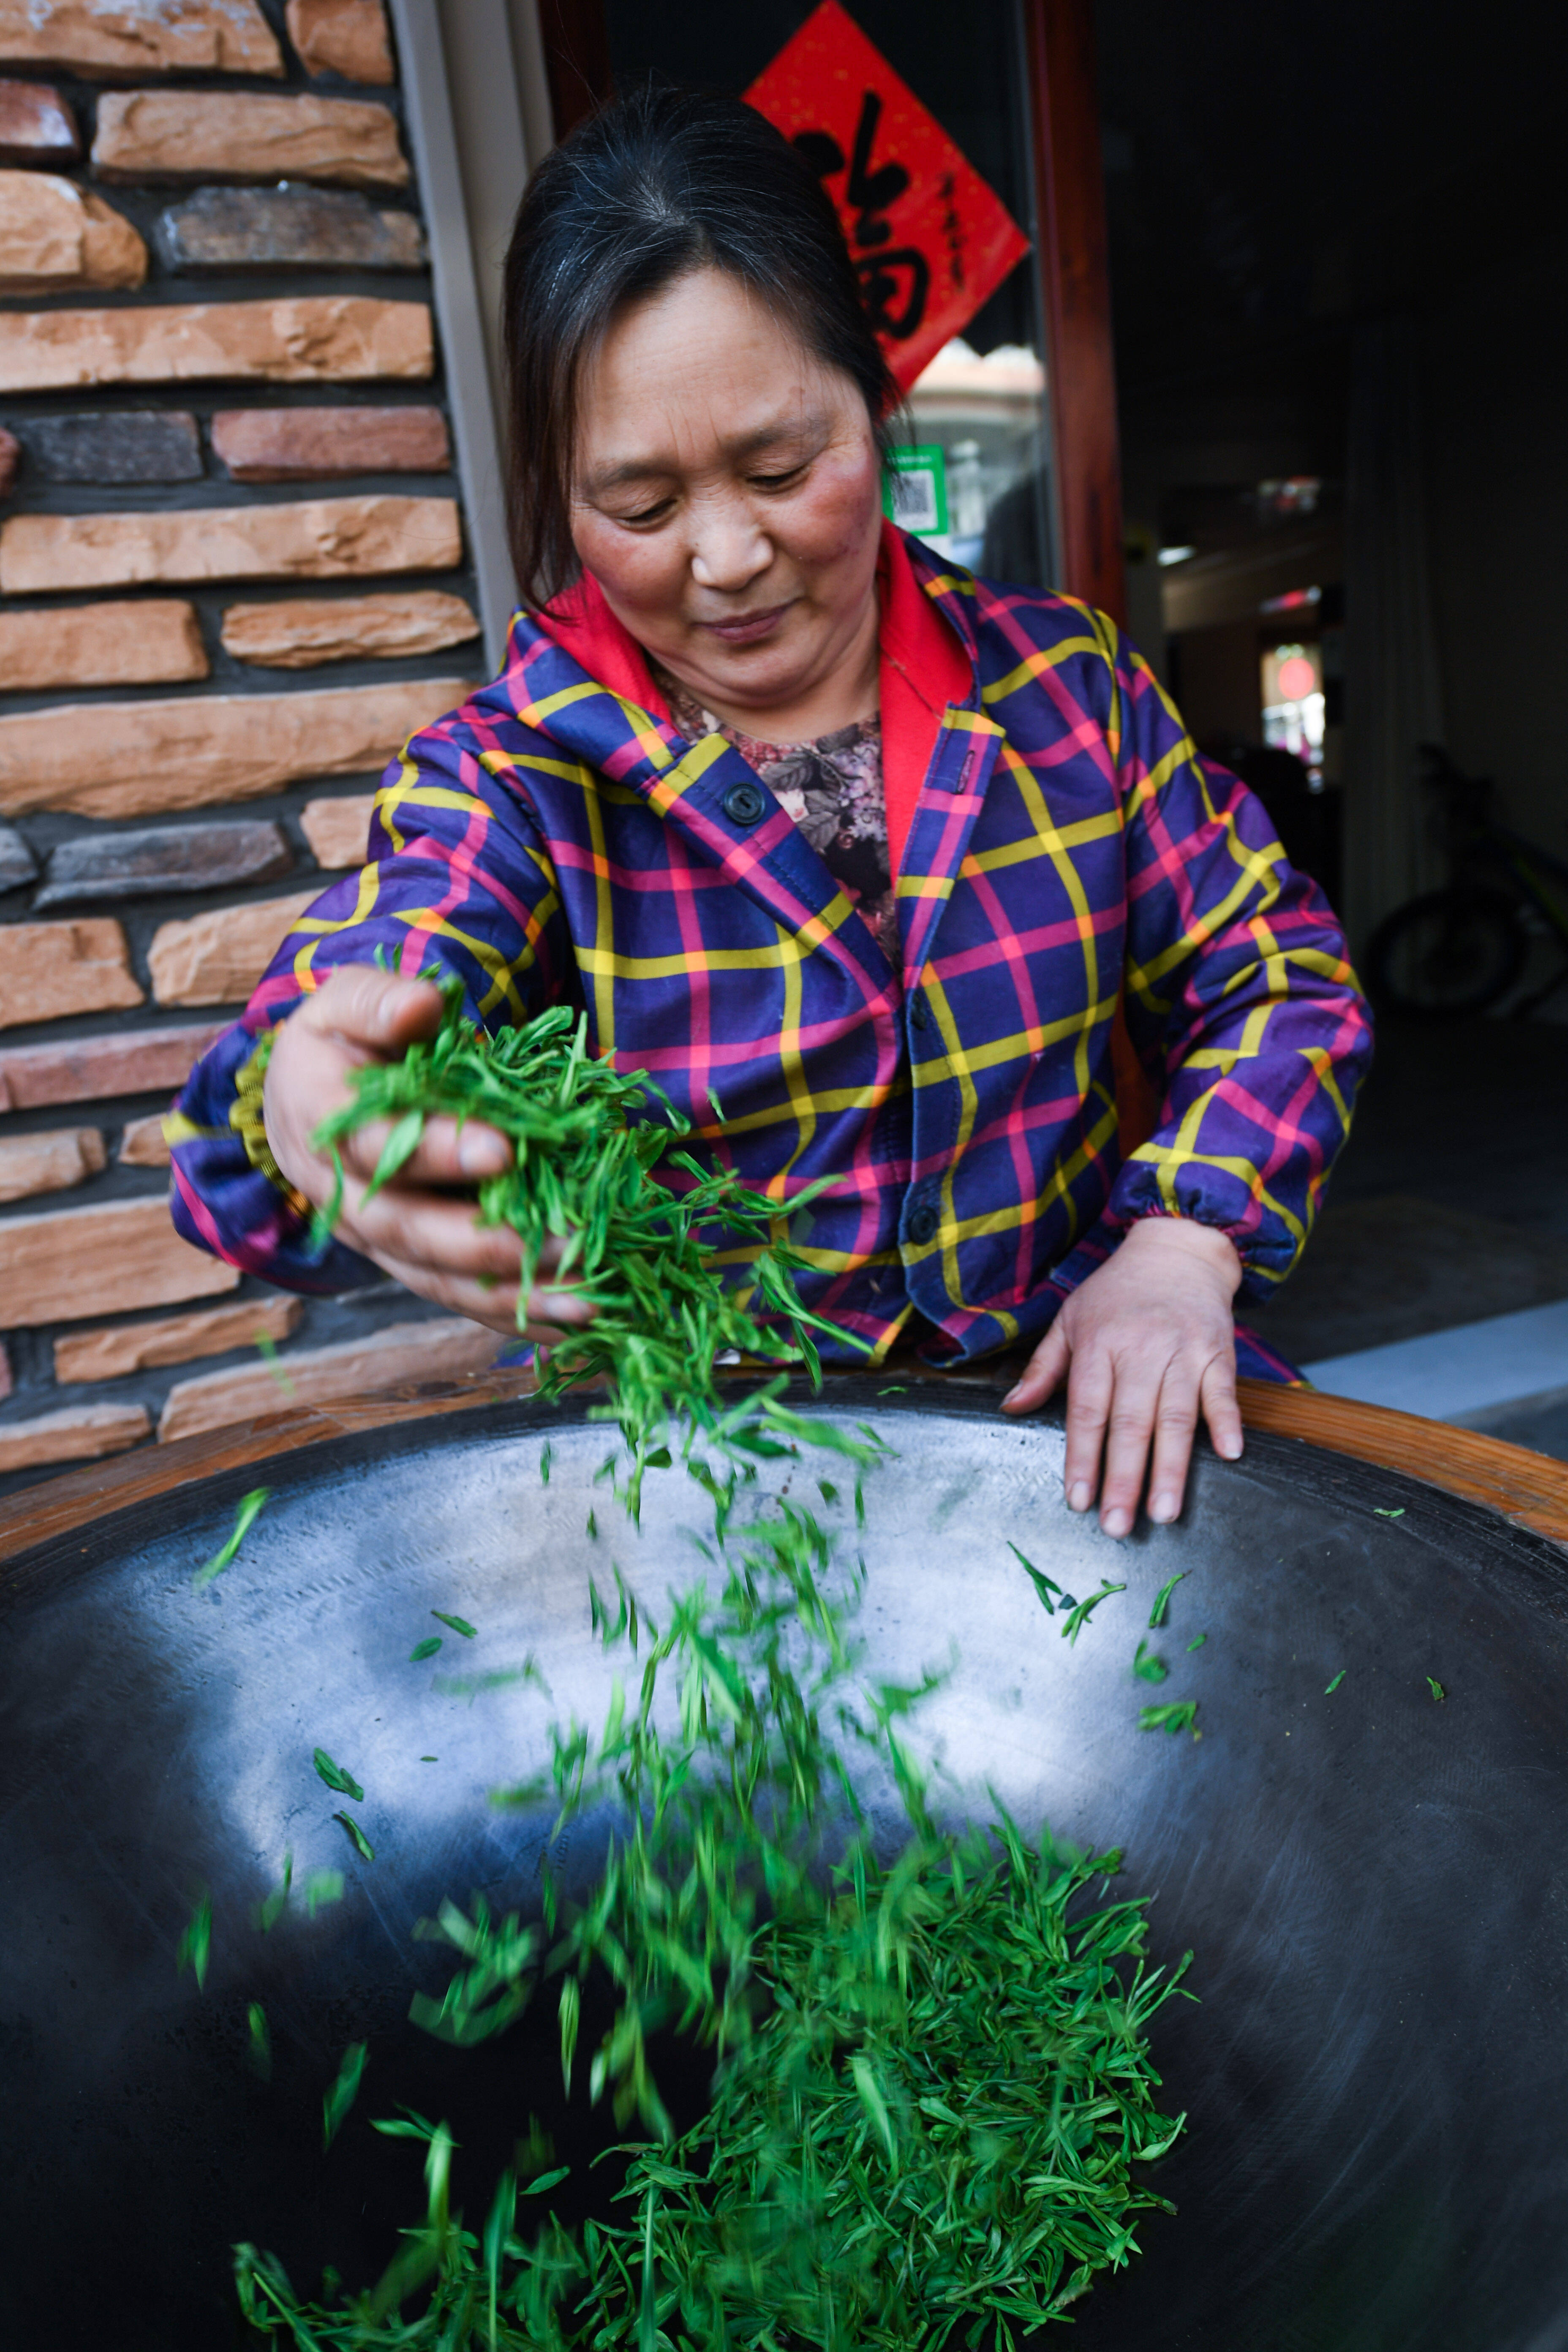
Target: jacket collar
[[575, 674], [929, 657]]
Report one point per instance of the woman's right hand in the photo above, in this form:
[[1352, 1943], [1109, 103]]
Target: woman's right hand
[[426, 1238]]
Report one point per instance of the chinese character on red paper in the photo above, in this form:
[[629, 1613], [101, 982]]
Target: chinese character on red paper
[[929, 240]]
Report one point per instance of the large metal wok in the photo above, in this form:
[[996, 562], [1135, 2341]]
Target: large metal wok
[[1374, 1882]]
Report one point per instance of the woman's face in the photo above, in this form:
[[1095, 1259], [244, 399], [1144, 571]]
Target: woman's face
[[727, 497]]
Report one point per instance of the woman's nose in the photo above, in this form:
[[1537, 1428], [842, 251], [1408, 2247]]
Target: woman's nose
[[729, 551]]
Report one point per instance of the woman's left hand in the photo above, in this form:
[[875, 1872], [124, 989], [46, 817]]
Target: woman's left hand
[[1145, 1343]]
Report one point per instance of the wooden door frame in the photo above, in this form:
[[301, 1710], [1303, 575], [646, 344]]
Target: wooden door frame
[[1075, 287]]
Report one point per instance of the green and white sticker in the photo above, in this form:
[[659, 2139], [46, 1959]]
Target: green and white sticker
[[914, 489]]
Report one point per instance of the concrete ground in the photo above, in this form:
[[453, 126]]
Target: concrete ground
[[1450, 1207]]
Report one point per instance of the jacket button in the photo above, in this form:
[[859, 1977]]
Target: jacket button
[[743, 804], [920, 1012], [923, 1225]]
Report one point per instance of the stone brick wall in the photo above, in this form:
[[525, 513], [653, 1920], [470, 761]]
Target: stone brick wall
[[232, 579]]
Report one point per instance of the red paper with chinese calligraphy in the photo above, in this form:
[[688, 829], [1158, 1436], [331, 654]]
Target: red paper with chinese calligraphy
[[929, 240]]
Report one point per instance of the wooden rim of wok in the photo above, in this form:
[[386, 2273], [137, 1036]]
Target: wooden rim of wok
[[1528, 1489]]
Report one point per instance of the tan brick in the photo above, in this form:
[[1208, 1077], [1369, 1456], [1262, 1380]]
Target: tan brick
[[215, 134], [298, 339], [63, 1266], [37, 126], [143, 1143], [94, 1069], [107, 1354], [337, 831], [343, 36], [136, 759], [81, 1433], [50, 1162], [47, 970], [56, 236], [439, 1351], [299, 634], [309, 539], [299, 445], [102, 645], [217, 958], [111, 39]]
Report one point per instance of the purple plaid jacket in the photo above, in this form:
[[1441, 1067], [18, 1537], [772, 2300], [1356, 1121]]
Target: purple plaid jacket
[[1069, 860]]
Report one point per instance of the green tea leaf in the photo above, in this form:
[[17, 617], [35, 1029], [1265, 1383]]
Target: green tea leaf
[[261, 2041], [1174, 1717], [195, 1942], [1078, 1617], [344, 2091], [1162, 1600], [1044, 1587], [356, 1837], [425, 1649], [342, 1783], [1335, 1683], [245, 1518], [1435, 1688], [400, 1145], [1147, 1666], [271, 1907], [325, 1887], [457, 1624]]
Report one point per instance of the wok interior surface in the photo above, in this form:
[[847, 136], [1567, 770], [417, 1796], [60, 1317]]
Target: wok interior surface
[[1374, 1882]]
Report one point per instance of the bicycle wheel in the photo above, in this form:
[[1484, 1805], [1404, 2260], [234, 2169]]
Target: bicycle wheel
[[1445, 953]]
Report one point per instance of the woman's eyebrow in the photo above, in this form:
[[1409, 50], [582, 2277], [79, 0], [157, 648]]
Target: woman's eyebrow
[[628, 471]]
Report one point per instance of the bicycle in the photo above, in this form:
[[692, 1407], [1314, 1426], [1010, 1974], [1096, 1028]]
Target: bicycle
[[1458, 951]]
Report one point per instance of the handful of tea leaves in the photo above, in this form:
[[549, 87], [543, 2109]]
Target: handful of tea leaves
[[933, 2075], [642, 1253]]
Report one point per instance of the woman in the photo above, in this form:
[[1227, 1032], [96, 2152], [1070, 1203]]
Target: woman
[[826, 836]]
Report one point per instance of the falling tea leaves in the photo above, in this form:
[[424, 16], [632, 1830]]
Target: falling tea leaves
[[195, 1942], [1177, 1715], [344, 2092], [245, 1519], [342, 1783], [356, 1837]]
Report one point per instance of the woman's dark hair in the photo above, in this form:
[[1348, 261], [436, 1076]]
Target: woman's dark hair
[[664, 182]]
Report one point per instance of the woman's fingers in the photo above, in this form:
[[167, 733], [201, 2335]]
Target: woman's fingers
[[379, 1012], [430, 1229], [1136, 1404], [1043, 1374], [1090, 1389], [1221, 1409], [551, 1316], [1175, 1426], [449, 1152]]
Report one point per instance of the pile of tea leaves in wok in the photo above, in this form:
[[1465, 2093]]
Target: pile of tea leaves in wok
[[931, 2070]]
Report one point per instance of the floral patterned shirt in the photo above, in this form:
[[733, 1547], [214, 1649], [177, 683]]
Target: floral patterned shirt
[[832, 789]]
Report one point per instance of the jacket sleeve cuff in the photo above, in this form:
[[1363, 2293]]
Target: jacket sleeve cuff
[[227, 1198]]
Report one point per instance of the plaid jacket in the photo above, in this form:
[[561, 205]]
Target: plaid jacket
[[1061, 853]]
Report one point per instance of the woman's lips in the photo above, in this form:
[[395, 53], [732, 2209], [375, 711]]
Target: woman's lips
[[747, 627]]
